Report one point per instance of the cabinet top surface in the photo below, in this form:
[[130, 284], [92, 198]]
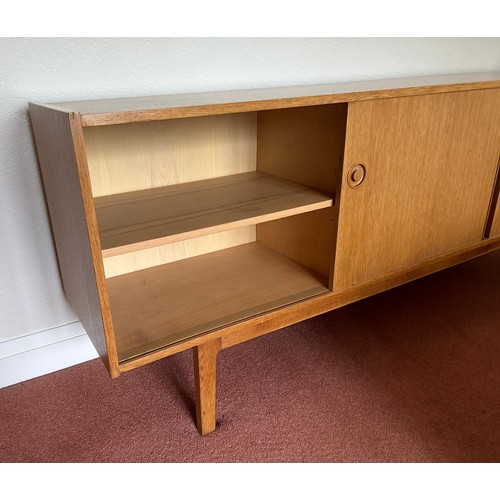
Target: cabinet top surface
[[148, 108]]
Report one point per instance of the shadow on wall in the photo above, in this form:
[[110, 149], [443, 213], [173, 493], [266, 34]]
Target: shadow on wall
[[29, 301]]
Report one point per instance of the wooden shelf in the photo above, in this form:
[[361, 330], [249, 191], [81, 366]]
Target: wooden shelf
[[161, 306], [152, 217]]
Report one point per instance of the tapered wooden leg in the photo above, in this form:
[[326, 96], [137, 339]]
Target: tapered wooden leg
[[205, 378]]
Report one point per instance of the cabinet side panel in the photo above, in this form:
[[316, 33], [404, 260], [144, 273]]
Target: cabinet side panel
[[304, 145], [63, 190], [305, 238]]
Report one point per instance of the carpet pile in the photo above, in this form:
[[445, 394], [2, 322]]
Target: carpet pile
[[410, 375]]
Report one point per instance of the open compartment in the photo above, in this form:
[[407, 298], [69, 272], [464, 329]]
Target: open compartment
[[207, 221]]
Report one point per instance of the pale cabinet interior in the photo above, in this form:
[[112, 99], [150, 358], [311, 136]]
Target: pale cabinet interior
[[210, 220]]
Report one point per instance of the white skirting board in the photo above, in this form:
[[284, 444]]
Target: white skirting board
[[44, 352]]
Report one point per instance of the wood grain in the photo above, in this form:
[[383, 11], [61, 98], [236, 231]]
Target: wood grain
[[492, 227], [430, 166], [172, 252], [495, 225], [149, 108], [306, 239], [144, 219], [139, 156], [303, 145], [171, 303], [279, 318], [59, 145], [205, 382]]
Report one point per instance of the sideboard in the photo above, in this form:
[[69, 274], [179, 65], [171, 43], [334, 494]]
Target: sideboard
[[200, 221]]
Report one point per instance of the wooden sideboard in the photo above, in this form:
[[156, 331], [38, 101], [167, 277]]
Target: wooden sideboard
[[200, 221]]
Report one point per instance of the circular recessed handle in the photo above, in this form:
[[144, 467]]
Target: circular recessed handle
[[356, 175]]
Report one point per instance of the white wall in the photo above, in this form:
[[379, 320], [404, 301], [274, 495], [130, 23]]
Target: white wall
[[49, 69]]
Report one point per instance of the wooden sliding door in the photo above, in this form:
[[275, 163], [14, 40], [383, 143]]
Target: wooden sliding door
[[417, 180]]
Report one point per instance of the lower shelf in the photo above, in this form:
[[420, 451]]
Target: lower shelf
[[160, 306]]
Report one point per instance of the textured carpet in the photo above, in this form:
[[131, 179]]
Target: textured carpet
[[411, 375]]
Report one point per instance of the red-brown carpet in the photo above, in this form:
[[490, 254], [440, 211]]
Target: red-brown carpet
[[411, 375]]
